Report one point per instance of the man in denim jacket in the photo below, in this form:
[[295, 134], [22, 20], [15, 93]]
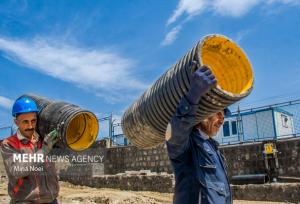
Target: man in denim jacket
[[200, 169]]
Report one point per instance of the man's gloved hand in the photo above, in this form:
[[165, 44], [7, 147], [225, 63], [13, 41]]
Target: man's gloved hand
[[202, 81], [49, 140]]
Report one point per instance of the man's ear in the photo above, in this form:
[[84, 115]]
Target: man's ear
[[168, 133], [16, 121], [202, 125]]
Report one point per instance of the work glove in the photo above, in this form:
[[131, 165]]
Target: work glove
[[202, 81], [49, 140]]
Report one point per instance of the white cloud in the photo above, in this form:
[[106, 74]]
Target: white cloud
[[171, 36], [6, 102], [190, 7], [240, 35], [222, 7], [102, 71], [233, 8], [293, 2]]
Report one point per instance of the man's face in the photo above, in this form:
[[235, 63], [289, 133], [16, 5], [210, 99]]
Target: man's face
[[212, 124], [26, 123]]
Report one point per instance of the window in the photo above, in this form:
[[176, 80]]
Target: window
[[125, 141], [233, 128], [284, 121], [230, 128], [226, 130]]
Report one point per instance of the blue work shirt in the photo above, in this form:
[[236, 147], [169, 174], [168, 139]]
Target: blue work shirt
[[200, 169]]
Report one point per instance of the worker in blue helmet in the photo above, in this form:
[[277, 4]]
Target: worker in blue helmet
[[30, 180], [200, 168]]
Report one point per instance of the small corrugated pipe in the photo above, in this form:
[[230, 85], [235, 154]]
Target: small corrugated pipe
[[146, 120]]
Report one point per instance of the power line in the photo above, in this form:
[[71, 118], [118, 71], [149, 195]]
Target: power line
[[282, 104], [280, 96]]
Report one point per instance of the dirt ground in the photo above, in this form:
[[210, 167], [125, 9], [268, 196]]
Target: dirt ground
[[71, 194]]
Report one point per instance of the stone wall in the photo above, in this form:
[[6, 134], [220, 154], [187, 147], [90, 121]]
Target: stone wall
[[121, 159], [130, 180], [246, 158], [279, 192], [82, 170]]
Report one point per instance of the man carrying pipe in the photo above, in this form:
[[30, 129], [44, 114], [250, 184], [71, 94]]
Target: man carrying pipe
[[200, 168], [31, 178]]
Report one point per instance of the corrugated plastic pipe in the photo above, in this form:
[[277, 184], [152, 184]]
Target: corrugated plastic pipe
[[145, 121], [78, 127]]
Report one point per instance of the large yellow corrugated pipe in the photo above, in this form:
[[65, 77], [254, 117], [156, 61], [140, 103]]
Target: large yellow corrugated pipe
[[78, 128], [228, 62], [145, 121]]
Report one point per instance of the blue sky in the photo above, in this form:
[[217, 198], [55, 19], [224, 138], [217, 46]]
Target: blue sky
[[101, 55]]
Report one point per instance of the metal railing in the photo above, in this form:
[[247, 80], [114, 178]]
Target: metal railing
[[283, 118]]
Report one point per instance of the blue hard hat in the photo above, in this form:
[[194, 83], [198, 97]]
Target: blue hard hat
[[24, 105]]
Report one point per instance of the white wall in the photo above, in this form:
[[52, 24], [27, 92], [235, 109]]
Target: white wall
[[283, 128], [249, 127], [266, 126]]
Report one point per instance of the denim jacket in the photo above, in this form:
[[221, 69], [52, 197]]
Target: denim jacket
[[200, 169]]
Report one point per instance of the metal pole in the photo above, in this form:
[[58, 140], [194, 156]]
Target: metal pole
[[113, 129], [239, 125], [110, 130]]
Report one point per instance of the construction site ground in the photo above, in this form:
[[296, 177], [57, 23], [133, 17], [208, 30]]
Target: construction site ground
[[72, 194]]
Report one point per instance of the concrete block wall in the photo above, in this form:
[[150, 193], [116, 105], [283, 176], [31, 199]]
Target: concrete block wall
[[289, 157], [82, 170], [121, 159], [248, 158], [244, 158]]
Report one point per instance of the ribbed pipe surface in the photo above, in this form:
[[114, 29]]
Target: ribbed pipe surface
[[145, 121], [78, 127]]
